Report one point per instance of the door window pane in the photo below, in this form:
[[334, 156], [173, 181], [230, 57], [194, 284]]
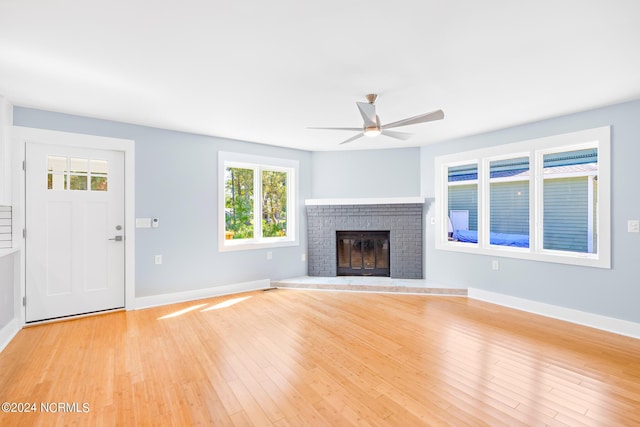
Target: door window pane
[[79, 166], [98, 183], [78, 173], [99, 167], [56, 173], [57, 164], [99, 175], [78, 182]]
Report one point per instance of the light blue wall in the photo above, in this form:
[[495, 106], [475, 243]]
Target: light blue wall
[[615, 292], [166, 160], [176, 181], [366, 173]]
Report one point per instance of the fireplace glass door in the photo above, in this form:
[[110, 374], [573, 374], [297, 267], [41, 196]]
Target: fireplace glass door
[[363, 253]]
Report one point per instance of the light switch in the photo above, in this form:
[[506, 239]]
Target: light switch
[[143, 222]]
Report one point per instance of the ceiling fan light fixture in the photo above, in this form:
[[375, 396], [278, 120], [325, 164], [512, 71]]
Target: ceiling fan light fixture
[[372, 127], [372, 131]]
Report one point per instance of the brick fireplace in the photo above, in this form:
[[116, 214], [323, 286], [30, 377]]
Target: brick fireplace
[[402, 218]]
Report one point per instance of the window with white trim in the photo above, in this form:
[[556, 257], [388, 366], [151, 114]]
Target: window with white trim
[[545, 199], [256, 201]]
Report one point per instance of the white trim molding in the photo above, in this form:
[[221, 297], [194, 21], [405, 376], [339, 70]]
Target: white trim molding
[[604, 323], [8, 332], [365, 201], [176, 297]]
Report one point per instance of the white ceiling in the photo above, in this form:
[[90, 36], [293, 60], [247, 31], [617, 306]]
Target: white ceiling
[[265, 71]]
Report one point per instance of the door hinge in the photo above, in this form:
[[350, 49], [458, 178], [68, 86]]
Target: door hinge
[[24, 233], [24, 301], [24, 165]]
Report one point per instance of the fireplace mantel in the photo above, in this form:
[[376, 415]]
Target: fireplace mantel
[[365, 201]]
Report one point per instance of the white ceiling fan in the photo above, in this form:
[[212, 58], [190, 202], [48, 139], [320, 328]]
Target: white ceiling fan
[[372, 126]]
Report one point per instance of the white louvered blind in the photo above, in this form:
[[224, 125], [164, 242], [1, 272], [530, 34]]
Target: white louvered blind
[[5, 227]]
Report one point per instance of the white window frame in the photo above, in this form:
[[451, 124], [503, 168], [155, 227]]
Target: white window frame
[[535, 149], [258, 164]]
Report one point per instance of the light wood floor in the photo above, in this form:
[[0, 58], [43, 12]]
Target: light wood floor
[[314, 358]]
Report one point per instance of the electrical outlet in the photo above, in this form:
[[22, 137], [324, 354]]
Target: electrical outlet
[[495, 265], [269, 255], [633, 226], [158, 259], [303, 257]]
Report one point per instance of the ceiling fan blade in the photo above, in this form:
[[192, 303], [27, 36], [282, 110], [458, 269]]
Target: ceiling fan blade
[[397, 135], [422, 118], [351, 129], [353, 138], [368, 113]]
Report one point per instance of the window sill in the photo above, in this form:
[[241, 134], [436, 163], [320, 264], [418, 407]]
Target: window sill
[[579, 259], [246, 246]]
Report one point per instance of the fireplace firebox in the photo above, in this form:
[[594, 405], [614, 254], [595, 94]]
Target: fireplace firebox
[[363, 253]]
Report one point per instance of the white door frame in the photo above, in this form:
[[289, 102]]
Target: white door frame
[[20, 136]]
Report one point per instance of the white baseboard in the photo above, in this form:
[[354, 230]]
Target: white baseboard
[[8, 332], [609, 324], [164, 299]]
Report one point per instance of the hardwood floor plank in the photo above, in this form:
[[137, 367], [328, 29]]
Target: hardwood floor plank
[[300, 357]]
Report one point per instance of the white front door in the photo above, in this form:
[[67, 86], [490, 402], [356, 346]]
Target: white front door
[[75, 214]]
